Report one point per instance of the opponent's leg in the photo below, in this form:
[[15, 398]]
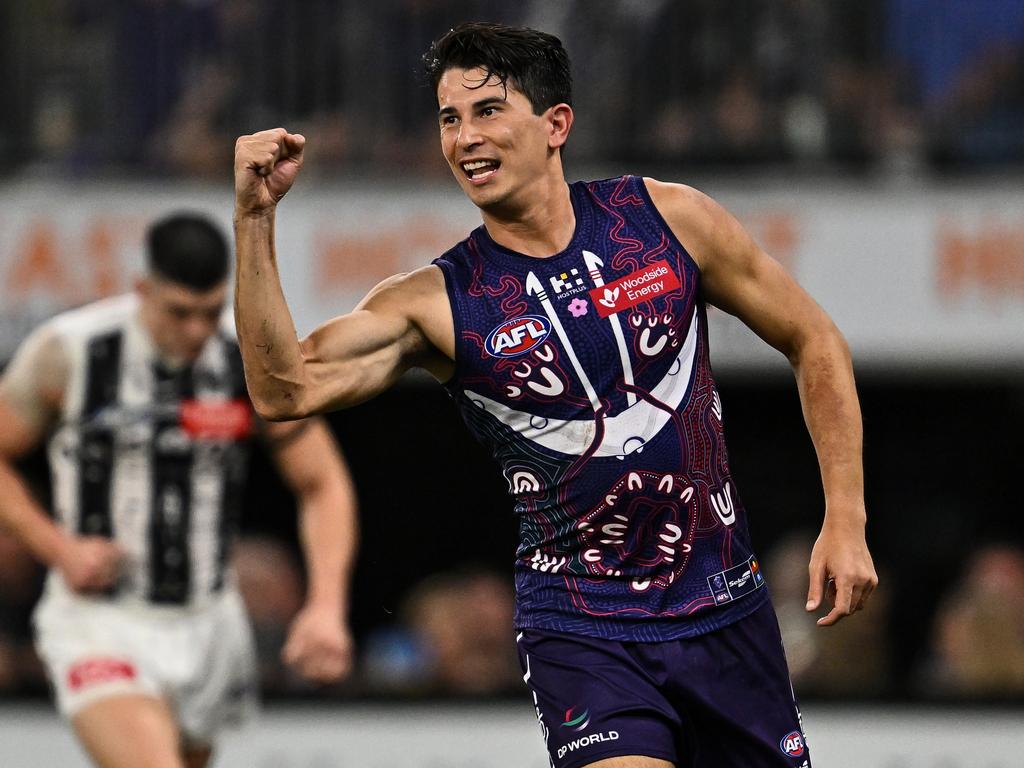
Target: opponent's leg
[[634, 761], [197, 757], [128, 731]]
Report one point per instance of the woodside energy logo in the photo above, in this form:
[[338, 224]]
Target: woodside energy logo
[[642, 285]]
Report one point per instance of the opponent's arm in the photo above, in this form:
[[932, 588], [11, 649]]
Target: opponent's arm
[[319, 643], [31, 391], [345, 361], [740, 278]]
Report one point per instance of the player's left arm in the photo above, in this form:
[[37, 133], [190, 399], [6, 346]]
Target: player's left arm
[[319, 643], [740, 278]]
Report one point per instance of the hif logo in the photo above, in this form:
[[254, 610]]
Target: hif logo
[[576, 722], [514, 337], [792, 744]]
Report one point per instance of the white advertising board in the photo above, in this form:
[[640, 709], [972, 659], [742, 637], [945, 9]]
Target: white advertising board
[[914, 277]]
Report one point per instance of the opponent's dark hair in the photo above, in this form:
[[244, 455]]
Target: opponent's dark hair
[[188, 249], [534, 63]]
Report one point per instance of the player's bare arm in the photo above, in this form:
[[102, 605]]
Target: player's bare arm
[[740, 278], [403, 322], [319, 642], [31, 394]]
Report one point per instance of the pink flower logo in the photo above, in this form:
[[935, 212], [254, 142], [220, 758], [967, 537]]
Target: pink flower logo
[[578, 307]]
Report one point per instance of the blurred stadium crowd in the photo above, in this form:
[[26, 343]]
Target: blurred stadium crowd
[[162, 87]]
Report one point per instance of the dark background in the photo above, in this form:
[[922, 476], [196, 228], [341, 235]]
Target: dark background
[[942, 455]]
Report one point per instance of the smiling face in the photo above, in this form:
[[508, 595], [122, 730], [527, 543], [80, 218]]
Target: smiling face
[[495, 145]]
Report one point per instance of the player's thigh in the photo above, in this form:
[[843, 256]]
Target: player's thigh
[[129, 731], [597, 703]]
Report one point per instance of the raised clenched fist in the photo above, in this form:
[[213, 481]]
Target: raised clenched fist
[[266, 164]]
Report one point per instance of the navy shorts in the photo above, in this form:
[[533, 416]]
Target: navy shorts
[[720, 700]]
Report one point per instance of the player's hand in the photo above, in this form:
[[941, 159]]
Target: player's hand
[[841, 570], [319, 645], [90, 563], [266, 164]]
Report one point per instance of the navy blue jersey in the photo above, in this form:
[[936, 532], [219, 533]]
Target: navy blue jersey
[[587, 375]]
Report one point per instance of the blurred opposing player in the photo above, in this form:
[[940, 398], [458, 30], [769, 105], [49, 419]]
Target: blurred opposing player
[[571, 330], [143, 403]]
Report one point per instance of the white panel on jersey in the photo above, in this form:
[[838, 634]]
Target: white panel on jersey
[[624, 433], [212, 382], [131, 484]]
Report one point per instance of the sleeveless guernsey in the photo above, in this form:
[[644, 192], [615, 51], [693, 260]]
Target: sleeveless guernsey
[[587, 375]]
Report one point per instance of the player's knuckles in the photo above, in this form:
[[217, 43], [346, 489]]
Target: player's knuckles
[[275, 135], [256, 150]]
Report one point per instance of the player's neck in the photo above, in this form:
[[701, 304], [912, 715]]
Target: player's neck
[[542, 226]]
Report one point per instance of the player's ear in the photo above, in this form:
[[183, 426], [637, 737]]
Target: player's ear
[[144, 286], [560, 119]]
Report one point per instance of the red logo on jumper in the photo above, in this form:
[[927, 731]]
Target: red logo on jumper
[[216, 419], [792, 744], [95, 671], [642, 285]]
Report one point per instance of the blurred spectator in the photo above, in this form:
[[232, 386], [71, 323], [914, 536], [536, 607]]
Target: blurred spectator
[[161, 49], [965, 61], [166, 85], [847, 659], [978, 643], [456, 639]]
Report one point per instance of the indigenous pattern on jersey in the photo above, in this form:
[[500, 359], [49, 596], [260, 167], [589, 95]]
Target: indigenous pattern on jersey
[[587, 374], [152, 457]]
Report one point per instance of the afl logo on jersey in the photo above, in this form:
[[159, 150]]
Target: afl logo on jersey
[[792, 744], [514, 337]]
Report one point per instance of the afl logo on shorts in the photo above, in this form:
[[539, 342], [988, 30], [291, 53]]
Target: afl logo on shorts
[[514, 337], [793, 744]]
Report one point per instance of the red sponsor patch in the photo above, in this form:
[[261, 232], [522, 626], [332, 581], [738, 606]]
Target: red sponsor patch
[[643, 285], [216, 419], [95, 671]]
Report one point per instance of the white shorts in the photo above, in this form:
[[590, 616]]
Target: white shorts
[[200, 660]]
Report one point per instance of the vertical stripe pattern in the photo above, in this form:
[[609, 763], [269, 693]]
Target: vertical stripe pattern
[[171, 501], [129, 462], [96, 450]]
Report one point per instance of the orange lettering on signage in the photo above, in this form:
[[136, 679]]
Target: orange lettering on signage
[[37, 264], [988, 258], [105, 275], [346, 262], [778, 233]]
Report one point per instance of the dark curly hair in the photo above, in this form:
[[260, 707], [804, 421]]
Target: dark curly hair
[[534, 63]]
